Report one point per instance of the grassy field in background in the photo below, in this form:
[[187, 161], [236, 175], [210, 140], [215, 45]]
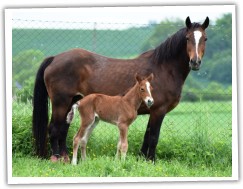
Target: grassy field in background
[[195, 140]]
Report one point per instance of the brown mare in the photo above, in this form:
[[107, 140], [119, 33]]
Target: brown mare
[[117, 110], [69, 76]]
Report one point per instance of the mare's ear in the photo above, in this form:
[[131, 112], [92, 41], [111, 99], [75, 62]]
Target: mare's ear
[[188, 22], [138, 78], [205, 23], [150, 77]]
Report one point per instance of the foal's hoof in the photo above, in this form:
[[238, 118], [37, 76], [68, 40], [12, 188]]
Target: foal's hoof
[[54, 159]]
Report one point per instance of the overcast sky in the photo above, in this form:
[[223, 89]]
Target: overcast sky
[[134, 15]]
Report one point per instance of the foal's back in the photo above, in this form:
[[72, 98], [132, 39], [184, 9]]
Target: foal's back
[[112, 109]]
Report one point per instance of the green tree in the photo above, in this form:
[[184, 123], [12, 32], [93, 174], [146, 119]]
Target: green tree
[[219, 35], [221, 67], [25, 65], [161, 32]]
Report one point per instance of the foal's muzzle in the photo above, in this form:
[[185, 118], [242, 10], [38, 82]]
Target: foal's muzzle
[[149, 102], [195, 64]]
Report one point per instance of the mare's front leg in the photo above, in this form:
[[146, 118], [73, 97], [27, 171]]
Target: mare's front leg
[[151, 136]]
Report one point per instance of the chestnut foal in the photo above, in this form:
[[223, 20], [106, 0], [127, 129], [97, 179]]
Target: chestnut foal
[[117, 110]]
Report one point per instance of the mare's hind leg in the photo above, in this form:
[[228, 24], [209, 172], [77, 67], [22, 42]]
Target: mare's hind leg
[[64, 131], [58, 129], [62, 142]]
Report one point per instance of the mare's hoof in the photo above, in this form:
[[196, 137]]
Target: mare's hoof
[[65, 158], [54, 159]]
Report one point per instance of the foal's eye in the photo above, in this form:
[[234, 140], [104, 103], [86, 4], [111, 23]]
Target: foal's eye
[[141, 89], [205, 39], [187, 38]]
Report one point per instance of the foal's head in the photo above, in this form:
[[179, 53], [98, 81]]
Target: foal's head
[[196, 38], [145, 89]]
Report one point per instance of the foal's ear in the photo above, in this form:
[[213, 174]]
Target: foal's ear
[[150, 77], [138, 78], [205, 23], [188, 22]]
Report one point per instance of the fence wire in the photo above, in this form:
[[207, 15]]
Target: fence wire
[[199, 126]]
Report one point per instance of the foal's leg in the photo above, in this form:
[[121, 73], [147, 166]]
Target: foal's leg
[[82, 136], [76, 143], [85, 138], [123, 143], [118, 151]]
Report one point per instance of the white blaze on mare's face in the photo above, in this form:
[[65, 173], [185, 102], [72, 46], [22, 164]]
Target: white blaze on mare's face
[[197, 37]]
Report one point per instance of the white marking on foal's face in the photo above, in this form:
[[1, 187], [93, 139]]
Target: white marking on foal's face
[[149, 99], [148, 88], [197, 37]]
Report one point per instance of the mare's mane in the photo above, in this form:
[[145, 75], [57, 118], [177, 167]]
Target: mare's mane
[[171, 47]]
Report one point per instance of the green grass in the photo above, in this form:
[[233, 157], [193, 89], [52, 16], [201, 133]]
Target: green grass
[[107, 166], [195, 140]]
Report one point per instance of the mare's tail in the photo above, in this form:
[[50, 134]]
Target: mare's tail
[[40, 110]]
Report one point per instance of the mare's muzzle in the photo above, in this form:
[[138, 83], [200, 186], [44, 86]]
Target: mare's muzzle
[[195, 64]]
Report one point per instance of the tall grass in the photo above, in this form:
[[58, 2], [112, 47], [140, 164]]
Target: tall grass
[[195, 136]]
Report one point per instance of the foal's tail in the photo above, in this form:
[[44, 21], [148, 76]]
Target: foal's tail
[[40, 110], [70, 114]]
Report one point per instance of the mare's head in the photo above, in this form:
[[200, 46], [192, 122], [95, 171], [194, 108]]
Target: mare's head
[[145, 89], [196, 42]]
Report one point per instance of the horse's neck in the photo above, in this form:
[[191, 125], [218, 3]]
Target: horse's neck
[[173, 52], [179, 64], [133, 98], [182, 66]]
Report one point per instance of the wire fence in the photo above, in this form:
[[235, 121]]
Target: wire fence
[[199, 126]]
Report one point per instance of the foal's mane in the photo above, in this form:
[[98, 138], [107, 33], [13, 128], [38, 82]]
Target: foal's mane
[[172, 46]]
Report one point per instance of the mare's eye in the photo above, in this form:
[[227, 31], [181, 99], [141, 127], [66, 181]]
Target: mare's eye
[[205, 39], [141, 89], [187, 38]]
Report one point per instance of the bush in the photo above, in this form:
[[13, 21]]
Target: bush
[[25, 93], [22, 141]]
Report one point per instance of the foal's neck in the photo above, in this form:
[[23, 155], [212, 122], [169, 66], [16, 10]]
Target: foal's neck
[[133, 98]]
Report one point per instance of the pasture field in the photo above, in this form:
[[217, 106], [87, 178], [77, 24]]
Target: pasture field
[[195, 141]]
